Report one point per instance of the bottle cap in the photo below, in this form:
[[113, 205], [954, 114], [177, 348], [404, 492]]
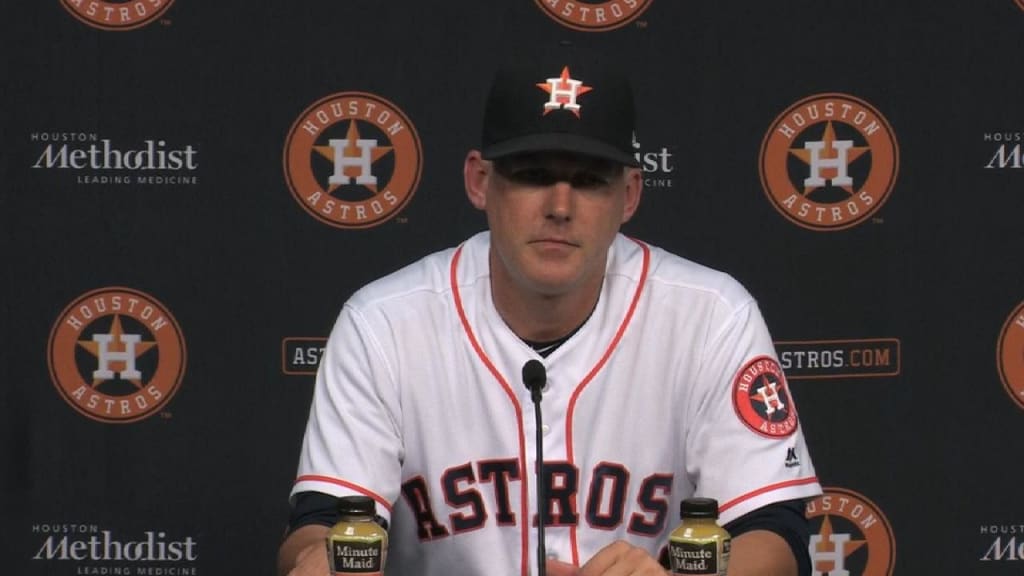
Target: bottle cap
[[699, 508], [356, 505]]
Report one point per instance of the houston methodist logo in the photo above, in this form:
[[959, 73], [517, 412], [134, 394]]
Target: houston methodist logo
[[353, 160], [849, 535], [761, 398], [116, 355], [593, 16], [1010, 355], [117, 15], [829, 162]]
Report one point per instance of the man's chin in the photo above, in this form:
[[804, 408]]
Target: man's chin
[[552, 285]]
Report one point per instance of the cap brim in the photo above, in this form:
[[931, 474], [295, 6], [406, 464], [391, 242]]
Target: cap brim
[[558, 142]]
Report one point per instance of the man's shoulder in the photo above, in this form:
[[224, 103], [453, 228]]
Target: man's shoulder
[[428, 276], [425, 275], [669, 271]]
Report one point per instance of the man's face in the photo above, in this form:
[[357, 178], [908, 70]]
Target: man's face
[[553, 217]]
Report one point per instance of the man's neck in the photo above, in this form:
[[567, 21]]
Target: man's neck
[[543, 317]]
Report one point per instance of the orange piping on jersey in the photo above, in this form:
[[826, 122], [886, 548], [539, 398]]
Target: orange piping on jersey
[[524, 493], [593, 372], [314, 478], [768, 488]]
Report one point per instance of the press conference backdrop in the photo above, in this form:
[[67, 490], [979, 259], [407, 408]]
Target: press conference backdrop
[[192, 189]]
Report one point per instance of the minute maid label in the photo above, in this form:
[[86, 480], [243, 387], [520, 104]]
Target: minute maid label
[[356, 558], [693, 558]]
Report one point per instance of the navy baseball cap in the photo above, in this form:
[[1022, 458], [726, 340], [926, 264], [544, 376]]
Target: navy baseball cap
[[560, 102]]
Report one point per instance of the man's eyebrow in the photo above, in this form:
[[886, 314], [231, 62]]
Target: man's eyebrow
[[596, 165]]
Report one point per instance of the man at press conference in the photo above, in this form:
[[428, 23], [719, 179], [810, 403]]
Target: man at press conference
[[652, 378]]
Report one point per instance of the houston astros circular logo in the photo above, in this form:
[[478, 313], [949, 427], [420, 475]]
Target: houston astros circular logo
[[116, 355], [353, 160], [761, 398], [593, 16], [849, 535], [117, 14], [1010, 355], [829, 162]]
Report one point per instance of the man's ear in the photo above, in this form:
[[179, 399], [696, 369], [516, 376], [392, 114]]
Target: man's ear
[[634, 190], [476, 172]]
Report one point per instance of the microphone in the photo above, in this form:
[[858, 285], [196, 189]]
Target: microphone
[[534, 377]]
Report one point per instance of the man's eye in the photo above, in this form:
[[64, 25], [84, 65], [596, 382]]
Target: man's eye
[[588, 180], [541, 177], [534, 177]]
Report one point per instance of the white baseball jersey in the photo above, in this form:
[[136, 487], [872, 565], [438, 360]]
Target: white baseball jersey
[[670, 389]]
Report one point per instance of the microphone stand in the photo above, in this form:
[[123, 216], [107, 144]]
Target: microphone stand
[[534, 377], [541, 496]]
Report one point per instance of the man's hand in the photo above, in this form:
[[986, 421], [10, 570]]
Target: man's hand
[[304, 552], [617, 558]]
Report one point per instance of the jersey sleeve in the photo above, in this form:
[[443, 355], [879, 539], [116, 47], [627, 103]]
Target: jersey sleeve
[[746, 448], [352, 443]]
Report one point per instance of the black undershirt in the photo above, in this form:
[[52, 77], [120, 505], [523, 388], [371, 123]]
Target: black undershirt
[[546, 348]]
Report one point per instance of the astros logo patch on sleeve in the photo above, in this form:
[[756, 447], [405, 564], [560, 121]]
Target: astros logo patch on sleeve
[[762, 400]]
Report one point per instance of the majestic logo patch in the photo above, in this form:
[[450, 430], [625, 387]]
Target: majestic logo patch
[[792, 460], [849, 535], [761, 398], [593, 16], [116, 355], [829, 162], [564, 91], [353, 160], [1010, 355], [117, 15]]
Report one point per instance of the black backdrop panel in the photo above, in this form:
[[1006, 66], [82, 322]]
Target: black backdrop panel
[[146, 190]]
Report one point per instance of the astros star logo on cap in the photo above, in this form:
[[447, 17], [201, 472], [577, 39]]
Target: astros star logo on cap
[[564, 90]]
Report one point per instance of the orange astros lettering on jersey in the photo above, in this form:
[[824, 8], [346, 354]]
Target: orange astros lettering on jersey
[[606, 500], [761, 398]]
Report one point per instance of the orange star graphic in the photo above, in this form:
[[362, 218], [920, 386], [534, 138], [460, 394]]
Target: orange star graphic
[[116, 345], [829, 153], [351, 150], [827, 545], [563, 85]]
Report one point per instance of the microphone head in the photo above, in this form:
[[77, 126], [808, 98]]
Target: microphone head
[[534, 377]]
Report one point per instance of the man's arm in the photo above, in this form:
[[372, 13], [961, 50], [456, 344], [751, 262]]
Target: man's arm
[[753, 553], [304, 551], [761, 553]]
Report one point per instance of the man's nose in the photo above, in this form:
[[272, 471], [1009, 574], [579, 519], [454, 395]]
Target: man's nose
[[560, 201]]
